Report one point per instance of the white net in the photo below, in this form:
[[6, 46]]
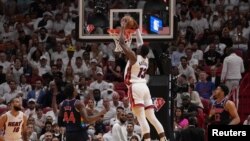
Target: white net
[[118, 48]]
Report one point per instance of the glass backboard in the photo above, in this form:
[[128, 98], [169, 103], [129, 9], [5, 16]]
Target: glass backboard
[[155, 18]]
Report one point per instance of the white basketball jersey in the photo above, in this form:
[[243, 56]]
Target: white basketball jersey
[[136, 73], [13, 127]]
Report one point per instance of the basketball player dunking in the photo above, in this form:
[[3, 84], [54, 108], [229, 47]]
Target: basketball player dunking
[[73, 116], [13, 123], [140, 98]]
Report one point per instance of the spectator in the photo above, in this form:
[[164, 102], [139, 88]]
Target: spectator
[[115, 101], [11, 94], [192, 62], [126, 105], [180, 122], [204, 87], [213, 77], [111, 113], [197, 53], [32, 135], [38, 93], [99, 83], [192, 132], [109, 92], [212, 57], [189, 109], [31, 111], [119, 131], [176, 55], [194, 96], [231, 73], [130, 131], [185, 69]]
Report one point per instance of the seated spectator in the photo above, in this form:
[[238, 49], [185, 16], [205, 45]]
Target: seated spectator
[[189, 109], [180, 122], [109, 92], [47, 128], [130, 131], [56, 131], [99, 83], [213, 77], [98, 101], [37, 94], [212, 57], [126, 105], [192, 132], [10, 95], [31, 133], [204, 87], [47, 136], [194, 96], [39, 120], [185, 69], [115, 101], [111, 112], [176, 55], [31, 110], [91, 110]]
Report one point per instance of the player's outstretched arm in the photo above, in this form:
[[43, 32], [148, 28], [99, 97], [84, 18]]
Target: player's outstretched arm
[[89, 119], [127, 50]]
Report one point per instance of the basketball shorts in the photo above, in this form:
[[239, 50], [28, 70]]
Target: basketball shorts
[[139, 95]]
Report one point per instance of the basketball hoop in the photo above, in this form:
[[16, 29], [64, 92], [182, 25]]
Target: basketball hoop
[[115, 35]]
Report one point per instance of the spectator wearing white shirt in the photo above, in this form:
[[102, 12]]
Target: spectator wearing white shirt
[[4, 62], [185, 69], [191, 61], [176, 55], [197, 53], [70, 25], [7, 34], [17, 70], [11, 94], [78, 67], [99, 83], [183, 23], [93, 68], [108, 94], [220, 47], [4, 87], [45, 22], [115, 101], [199, 24], [24, 86], [130, 131], [58, 24], [232, 69], [126, 105], [119, 130], [43, 67], [111, 112], [31, 111], [60, 53], [78, 50]]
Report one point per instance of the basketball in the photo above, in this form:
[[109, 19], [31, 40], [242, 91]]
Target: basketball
[[130, 22]]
